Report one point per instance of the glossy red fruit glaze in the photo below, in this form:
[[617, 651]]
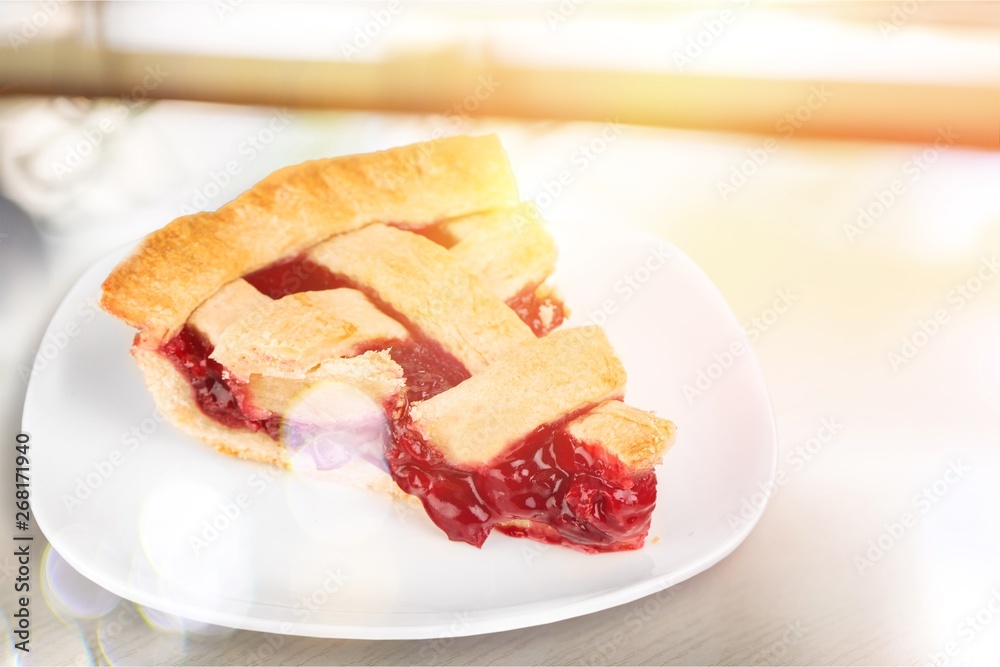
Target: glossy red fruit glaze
[[294, 275], [575, 495], [299, 274], [189, 351], [528, 307], [428, 368]]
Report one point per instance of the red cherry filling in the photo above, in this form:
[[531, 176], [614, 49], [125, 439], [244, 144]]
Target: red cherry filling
[[530, 308], [300, 274], [574, 494], [428, 368], [294, 275], [213, 393]]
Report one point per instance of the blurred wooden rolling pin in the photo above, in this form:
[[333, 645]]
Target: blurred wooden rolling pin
[[436, 82]]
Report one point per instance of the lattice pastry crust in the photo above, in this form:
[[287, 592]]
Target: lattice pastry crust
[[415, 279]]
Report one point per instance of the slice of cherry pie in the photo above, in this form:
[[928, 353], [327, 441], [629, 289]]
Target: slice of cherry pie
[[396, 305]]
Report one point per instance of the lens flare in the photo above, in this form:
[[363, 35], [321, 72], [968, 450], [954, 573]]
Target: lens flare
[[69, 593], [331, 424], [127, 637], [8, 654], [196, 540]]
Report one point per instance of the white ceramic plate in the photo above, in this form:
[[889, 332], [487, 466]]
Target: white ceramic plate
[[124, 498]]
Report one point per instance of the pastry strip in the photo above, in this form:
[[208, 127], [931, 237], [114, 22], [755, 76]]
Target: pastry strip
[[508, 249], [637, 437], [294, 334], [374, 373], [427, 286], [225, 307], [538, 383]]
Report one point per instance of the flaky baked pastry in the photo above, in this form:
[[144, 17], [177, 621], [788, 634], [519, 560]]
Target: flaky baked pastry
[[397, 298]]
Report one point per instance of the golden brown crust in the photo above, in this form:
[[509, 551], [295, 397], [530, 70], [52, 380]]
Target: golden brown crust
[[637, 437], [535, 384], [228, 305], [176, 268], [374, 373], [293, 335], [174, 398], [508, 249], [429, 287]]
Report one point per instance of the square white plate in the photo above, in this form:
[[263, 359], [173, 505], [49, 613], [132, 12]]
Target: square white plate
[[161, 519]]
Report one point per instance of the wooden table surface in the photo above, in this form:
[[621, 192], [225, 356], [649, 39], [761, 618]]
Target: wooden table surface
[[881, 545]]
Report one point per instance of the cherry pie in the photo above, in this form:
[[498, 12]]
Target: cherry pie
[[412, 280]]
